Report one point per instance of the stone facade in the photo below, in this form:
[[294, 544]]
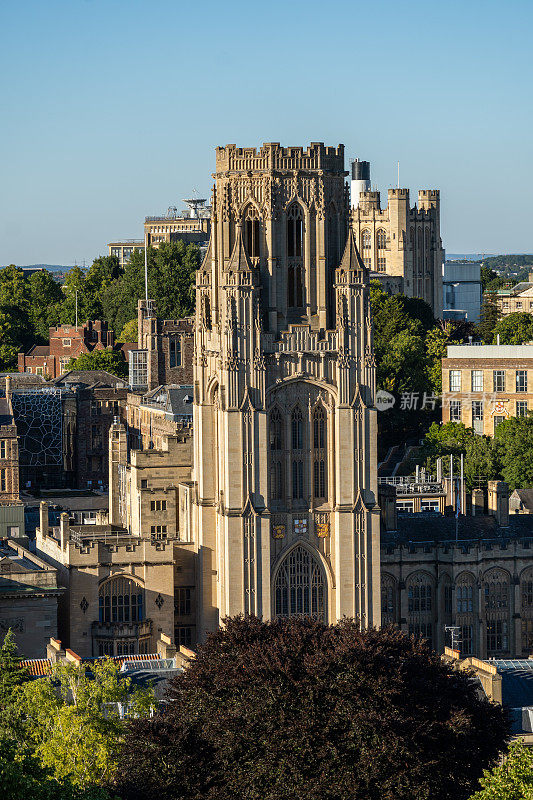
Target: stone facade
[[282, 506], [66, 342], [168, 345], [403, 241], [515, 299], [29, 597], [485, 384], [9, 450], [476, 576]]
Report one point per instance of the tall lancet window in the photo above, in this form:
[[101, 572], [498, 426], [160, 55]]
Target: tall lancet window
[[252, 232], [297, 461], [295, 233], [320, 472], [276, 455]]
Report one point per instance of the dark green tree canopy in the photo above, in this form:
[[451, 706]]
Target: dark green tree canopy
[[515, 328], [295, 709], [108, 360]]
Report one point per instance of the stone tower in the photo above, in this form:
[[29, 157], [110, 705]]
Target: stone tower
[[285, 517]]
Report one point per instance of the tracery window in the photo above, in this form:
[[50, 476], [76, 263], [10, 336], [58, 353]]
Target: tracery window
[[276, 447], [366, 240], [388, 599], [420, 606], [526, 591], [320, 488], [295, 257], [300, 588], [121, 600], [276, 430], [252, 232], [297, 429], [381, 239], [496, 591]]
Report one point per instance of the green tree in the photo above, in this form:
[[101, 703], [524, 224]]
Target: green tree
[[515, 328], [99, 277], [12, 674], [15, 326], [74, 283], [510, 780], [129, 332], [436, 343], [487, 276], [73, 723], [513, 439], [171, 283], [297, 709], [109, 360], [46, 298], [488, 318]]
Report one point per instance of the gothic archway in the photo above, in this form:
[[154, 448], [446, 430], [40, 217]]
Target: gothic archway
[[300, 587]]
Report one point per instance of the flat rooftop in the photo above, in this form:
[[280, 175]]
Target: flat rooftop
[[488, 351]]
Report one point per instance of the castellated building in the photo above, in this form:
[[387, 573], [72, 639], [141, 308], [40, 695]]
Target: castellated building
[[282, 506], [400, 243]]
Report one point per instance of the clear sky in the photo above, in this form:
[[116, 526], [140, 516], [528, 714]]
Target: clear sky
[[111, 109]]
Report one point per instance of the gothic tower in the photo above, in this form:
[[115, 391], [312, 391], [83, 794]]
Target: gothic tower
[[284, 511]]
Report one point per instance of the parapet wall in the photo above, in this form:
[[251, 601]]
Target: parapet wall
[[272, 156]]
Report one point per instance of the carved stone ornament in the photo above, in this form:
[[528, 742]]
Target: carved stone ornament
[[278, 531]]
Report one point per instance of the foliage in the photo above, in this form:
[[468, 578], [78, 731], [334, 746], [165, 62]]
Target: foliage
[[293, 708], [437, 341], [171, 283], [45, 297], [488, 318], [515, 328], [487, 276], [508, 261], [109, 360], [129, 332], [11, 672], [510, 780], [481, 459], [72, 720], [513, 441]]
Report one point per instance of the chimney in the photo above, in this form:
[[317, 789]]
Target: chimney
[[478, 502], [498, 502], [64, 530], [387, 503], [43, 518], [8, 388]]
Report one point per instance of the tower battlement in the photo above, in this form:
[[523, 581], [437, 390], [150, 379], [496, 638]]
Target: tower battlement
[[272, 156]]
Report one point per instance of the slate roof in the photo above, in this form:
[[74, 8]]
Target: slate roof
[[39, 350], [431, 527], [525, 496], [89, 377], [6, 417]]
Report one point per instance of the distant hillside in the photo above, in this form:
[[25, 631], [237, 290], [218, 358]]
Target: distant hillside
[[509, 262], [49, 267]]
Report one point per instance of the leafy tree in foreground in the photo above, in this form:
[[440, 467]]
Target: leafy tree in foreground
[[511, 780], [515, 328], [72, 720], [108, 360], [513, 440], [488, 318], [295, 709]]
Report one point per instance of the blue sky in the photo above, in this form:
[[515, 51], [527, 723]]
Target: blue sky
[[112, 109]]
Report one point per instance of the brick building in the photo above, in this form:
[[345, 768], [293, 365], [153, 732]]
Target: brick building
[[66, 342], [485, 384], [9, 450], [100, 398], [165, 350]]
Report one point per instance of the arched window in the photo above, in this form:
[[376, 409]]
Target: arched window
[[300, 588], [276, 430], [297, 429], [252, 232], [207, 312], [465, 596], [295, 231], [388, 599], [121, 600], [381, 239], [333, 238], [420, 606], [320, 478], [526, 592], [366, 240], [295, 257], [496, 592]]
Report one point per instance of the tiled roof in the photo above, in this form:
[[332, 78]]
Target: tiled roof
[[428, 527], [37, 667]]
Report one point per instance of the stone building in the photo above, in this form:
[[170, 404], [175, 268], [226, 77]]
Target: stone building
[[482, 385], [29, 597], [164, 411], [9, 450], [165, 350], [282, 504], [401, 240], [66, 342], [100, 398], [119, 588], [475, 575], [513, 299]]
